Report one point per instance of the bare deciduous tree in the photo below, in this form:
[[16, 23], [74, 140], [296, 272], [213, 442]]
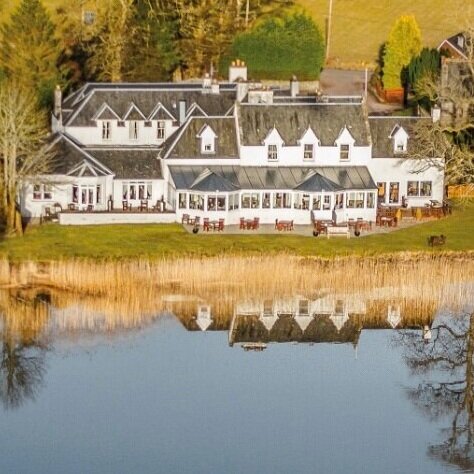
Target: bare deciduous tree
[[23, 148]]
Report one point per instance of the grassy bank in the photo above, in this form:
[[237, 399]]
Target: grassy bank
[[54, 242], [359, 27]]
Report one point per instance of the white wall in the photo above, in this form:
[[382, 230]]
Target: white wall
[[120, 135], [293, 156], [403, 170], [158, 190], [87, 218]]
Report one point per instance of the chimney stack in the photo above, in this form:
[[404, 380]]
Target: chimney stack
[[58, 98], [237, 70], [182, 112], [215, 89], [206, 83], [294, 86]]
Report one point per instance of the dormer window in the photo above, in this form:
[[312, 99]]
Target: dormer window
[[272, 153], [160, 131], [133, 130], [400, 139], [208, 140], [344, 152], [106, 130], [308, 152]]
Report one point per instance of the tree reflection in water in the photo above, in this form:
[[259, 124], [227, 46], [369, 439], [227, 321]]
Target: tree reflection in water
[[445, 364], [22, 364]]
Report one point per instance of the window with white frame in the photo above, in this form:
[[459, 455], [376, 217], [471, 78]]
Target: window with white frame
[[281, 200], [250, 200], [272, 153], [370, 200], [42, 192], [106, 130], [394, 193], [303, 307], [344, 152], [133, 130], [308, 151], [316, 202], [183, 200], [136, 190], [327, 203], [160, 130], [355, 200], [419, 188], [266, 201], [87, 194], [400, 146]]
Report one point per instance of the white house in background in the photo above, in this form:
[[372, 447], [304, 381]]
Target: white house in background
[[227, 150]]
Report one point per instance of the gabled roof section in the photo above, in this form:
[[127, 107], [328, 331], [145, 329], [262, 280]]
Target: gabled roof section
[[314, 181], [206, 130], [457, 43], [383, 129], [309, 136], [105, 113], [133, 113], [146, 97], [195, 111], [273, 136], [345, 136], [291, 121], [160, 112], [185, 144], [210, 181], [70, 158]]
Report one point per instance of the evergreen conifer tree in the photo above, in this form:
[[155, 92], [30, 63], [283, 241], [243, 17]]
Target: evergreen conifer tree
[[29, 51], [404, 43]]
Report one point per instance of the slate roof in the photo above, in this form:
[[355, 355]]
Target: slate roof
[[130, 163], [381, 129], [210, 181], [286, 329], [68, 155], [86, 102], [254, 177], [315, 182], [291, 121], [186, 144], [456, 42]]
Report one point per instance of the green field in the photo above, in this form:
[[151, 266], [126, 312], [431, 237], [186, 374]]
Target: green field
[[359, 27], [52, 241]]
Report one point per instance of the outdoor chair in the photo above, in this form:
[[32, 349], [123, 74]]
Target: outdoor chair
[[242, 223], [144, 205], [126, 206], [90, 208], [256, 223], [205, 224], [220, 225], [185, 219], [72, 207]]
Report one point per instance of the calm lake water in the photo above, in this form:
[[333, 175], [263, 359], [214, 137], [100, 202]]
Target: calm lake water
[[340, 384]]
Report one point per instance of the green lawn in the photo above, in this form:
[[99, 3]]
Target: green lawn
[[359, 27], [52, 241]]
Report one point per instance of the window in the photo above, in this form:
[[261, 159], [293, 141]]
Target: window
[[339, 201], [216, 203], [303, 307], [327, 203], [137, 190], [370, 200], [266, 201], [268, 308], [86, 194], [120, 123], [344, 152], [42, 192], [160, 131], [425, 188], [381, 191], [393, 196], [147, 124], [133, 130], [355, 200], [182, 200], [106, 130], [272, 153], [281, 200], [317, 202], [419, 188], [400, 146], [305, 202], [308, 152], [196, 201], [250, 201], [221, 203]]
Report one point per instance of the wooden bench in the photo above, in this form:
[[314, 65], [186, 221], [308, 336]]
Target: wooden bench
[[338, 231]]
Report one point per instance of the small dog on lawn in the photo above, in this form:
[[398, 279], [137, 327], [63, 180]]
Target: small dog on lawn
[[436, 240]]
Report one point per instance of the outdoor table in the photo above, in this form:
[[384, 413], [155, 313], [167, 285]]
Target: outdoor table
[[249, 224], [285, 225], [214, 225]]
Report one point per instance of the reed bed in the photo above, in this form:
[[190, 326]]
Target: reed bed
[[105, 298]]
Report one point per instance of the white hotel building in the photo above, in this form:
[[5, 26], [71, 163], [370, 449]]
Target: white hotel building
[[227, 150]]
